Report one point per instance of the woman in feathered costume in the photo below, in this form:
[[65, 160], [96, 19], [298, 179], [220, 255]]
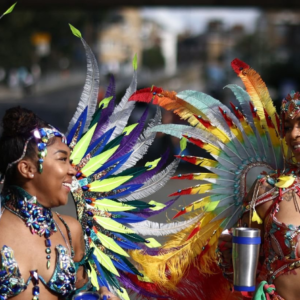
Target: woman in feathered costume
[[247, 136], [58, 257]]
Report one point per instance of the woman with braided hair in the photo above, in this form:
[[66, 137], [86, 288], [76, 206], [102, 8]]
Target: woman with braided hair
[[42, 253]]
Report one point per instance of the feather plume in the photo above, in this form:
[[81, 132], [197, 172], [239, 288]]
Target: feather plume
[[161, 229], [143, 143], [129, 141], [153, 184], [257, 90], [147, 175], [89, 95], [123, 106]]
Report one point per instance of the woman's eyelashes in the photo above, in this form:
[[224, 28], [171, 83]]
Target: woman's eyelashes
[[63, 159]]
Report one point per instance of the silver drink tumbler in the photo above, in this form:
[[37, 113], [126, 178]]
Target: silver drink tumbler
[[245, 254]]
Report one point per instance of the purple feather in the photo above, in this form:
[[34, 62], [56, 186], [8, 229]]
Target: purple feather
[[129, 140], [146, 213], [148, 174], [127, 283], [106, 113]]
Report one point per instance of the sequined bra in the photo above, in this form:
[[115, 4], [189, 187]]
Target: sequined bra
[[11, 282], [280, 240]]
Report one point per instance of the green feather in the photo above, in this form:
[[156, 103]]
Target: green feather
[[110, 244], [111, 278], [112, 225], [75, 31], [107, 185], [104, 260], [110, 205], [104, 102], [81, 147], [123, 295], [133, 237], [153, 164], [158, 205], [113, 143], [183, 143], [96, 162], [129, 128], [9, 10], [96, 117], [134, 62]]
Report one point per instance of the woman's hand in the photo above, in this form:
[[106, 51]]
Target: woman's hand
[[107, 295], [225, 249]]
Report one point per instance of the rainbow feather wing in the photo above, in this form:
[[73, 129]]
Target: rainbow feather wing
[[108, 187], [237, 141]]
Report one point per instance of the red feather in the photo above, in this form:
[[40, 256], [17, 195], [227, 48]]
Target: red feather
[[181, 212], [196, 142], [182, 192], [147, 95], [238, 65], [195, 285], [194, 231], [189, 176], [227, 119], [205, 123], [237, 112]]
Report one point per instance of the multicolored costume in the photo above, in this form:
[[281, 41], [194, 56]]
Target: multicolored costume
[[107, 190], [238, 140]]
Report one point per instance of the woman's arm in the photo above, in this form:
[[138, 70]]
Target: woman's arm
[[79, 249]]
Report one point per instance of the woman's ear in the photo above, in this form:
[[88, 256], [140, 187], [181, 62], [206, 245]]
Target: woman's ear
[[26, 168]]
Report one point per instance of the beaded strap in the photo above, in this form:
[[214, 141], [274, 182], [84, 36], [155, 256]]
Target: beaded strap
[[69, 234]]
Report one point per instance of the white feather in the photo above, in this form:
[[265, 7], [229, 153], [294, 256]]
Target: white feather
[[89, 94], [154, 183], [144, 141], [124, 105], [161, 229]]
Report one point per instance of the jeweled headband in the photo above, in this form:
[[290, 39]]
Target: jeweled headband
[[41, 136], [290, 105]]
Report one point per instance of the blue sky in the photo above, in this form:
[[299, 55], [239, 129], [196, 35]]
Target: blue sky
[[180, 19]]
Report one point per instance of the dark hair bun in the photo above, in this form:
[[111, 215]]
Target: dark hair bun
[[19, 121]]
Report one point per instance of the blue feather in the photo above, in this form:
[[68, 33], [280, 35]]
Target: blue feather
[[119, 161], [122, 266], [127, 218], [125, 243], [101, 279], [102, 139], [129, 141], [82, 119]]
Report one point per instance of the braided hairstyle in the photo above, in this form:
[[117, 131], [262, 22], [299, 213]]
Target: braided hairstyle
[[17, 125]]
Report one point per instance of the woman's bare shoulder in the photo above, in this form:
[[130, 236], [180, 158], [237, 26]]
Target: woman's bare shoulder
[[73, 224]]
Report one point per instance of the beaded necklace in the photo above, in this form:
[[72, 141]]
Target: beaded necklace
[[38, 218]]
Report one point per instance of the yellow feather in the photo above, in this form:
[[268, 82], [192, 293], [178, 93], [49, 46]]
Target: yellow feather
[[177, 261], [212, 149], [259, 94], [201, 176], [285, 181], [205, 162]]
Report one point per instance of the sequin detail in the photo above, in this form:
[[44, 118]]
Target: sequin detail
[[64, 277], [11, 283]]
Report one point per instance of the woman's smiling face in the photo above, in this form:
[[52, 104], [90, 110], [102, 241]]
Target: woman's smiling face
[[292, 134], [52, 186]]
